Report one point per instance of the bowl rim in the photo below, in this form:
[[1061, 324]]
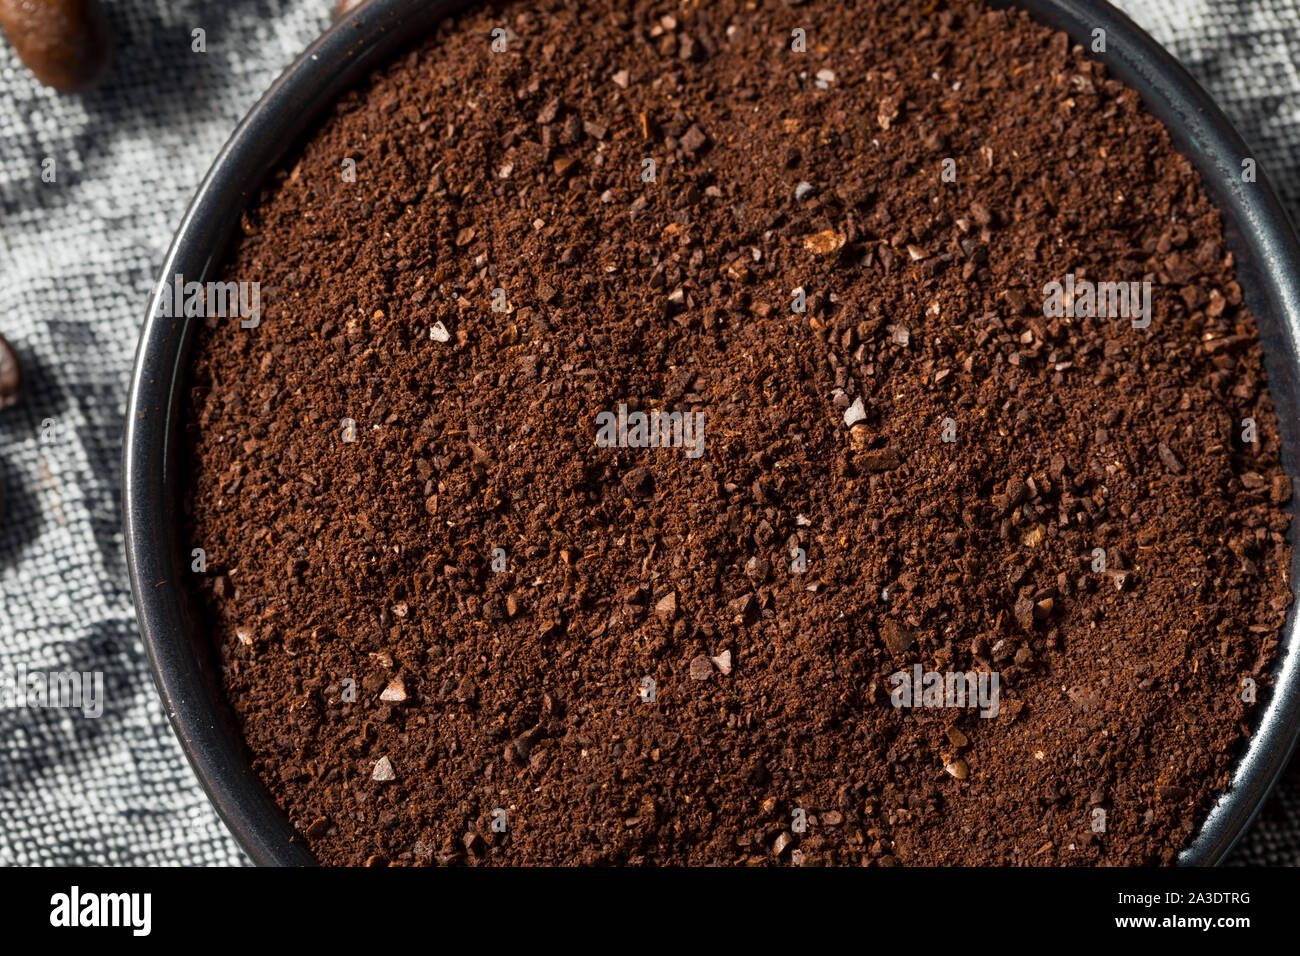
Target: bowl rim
[[1257, 228]]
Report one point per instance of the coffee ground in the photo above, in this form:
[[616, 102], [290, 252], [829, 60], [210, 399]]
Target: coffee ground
[[457, 628]]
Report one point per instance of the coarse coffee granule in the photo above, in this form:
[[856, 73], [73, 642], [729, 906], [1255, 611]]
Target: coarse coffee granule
[[647, 395]]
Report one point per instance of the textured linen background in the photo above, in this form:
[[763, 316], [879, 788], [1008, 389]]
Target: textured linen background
[[77, 258]]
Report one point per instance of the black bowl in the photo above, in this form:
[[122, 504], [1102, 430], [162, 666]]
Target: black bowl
[[184, 665]]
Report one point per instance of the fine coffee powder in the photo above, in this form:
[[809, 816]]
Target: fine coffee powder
[[646, 399]]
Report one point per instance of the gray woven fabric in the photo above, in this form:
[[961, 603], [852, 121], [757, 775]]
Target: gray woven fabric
[[77, 258]]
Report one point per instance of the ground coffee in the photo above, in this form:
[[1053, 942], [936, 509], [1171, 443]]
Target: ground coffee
[[647, 400]]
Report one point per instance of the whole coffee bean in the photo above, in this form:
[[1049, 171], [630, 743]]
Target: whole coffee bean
[[11, 374], [65, 43], [344, 7]]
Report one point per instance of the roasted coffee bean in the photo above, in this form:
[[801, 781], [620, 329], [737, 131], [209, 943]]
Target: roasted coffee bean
[[11, 374], [67, 44], [343, 7]]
